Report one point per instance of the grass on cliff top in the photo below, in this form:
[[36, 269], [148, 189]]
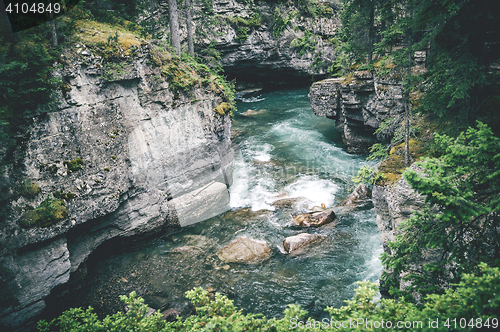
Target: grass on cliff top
[[94, 32]]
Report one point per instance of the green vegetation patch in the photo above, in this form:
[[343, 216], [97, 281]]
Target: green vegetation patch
[[29, 189], [73, 165], [48, 213], [305, 44], [394, 165], [475, 300], [61, 195], [223, 108]]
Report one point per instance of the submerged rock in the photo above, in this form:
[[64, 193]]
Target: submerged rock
[[287, 202], [187, 250], [251, 112], [359, 199], [246, 213], [314, 218], [299, 243], [245, 250], [200, 241], [267, 163], [319, 208]]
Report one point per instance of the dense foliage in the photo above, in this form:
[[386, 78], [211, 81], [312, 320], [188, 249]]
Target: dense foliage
[[25, 79], [460, 39], [472, 305], [458, 227]]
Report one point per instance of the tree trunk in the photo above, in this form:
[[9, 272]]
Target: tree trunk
[[174, 26], [407, 94], [371, 32], [189, 27], [53, 29]]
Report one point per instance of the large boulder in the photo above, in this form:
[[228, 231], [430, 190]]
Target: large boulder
[[314, 218], [359, 199], [245, 250], [301, 242]]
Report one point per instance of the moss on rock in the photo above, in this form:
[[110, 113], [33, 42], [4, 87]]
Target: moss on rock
[[394, 166], [223, 108], [48, 213], [29, 189], [73, 165]]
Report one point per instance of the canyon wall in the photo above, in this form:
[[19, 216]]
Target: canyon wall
[[128, 155], [358, 103], [250, 49]]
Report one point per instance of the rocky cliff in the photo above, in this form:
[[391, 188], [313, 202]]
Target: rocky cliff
[[126, 154], [256, 41], [358, 103]]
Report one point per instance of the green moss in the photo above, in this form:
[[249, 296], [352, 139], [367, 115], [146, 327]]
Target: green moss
[[61, 195], [393, 166], [48, 213], [223, 108], [65, 88], [52, 169], [29, 189], [73, 165]]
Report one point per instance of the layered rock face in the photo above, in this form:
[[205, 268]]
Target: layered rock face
[[359, 104], [393, 205], [136, 157], [252, 53]]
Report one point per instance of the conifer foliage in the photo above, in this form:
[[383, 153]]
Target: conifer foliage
[[458, 228]]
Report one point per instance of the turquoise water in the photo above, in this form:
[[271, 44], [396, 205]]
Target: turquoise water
[[284, 151]]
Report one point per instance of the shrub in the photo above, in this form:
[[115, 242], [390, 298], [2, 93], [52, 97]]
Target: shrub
[[61, 195], [475, 297], [367, 175], [49, 212]]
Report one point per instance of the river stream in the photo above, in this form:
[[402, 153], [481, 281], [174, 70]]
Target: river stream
[[284, 151]]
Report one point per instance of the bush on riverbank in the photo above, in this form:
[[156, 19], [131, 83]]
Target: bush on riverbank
[[473, 304]]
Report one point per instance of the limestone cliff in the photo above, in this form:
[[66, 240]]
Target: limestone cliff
[[358, 103], [128, 154], [256, 47]]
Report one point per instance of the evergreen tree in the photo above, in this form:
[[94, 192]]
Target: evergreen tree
[[459, 225]]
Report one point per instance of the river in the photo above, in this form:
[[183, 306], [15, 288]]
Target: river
[[284, 150]]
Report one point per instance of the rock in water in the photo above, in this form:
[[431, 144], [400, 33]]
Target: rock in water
[[251, 112], [287, 202], [299, 243], [245, 250], [170, 315], [359, 199], [314, 218]]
